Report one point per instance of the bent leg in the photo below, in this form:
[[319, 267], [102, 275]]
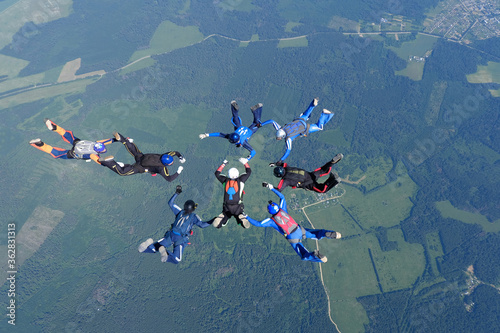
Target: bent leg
[[303, 253], [307, 113], [133, 150], [235, 120], [324, 170], [126, 170], [316, 233], [66, 135], [176, 256], [221, 220], [323, 119], [53, 151], [257, 113]]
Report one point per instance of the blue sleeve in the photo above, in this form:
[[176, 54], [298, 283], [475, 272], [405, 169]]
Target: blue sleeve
[[176, 209], [288, 146], [247, 146], [220, 135], [282, 199], [200, 223], [264, 223], [270, 121]]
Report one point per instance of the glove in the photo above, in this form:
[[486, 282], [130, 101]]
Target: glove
[[272, 164], [120, 164], [243, 160], [203, 136], [182, 159], [130, 140], [268, 185], [179, 169], [224, 162], [178, 189]]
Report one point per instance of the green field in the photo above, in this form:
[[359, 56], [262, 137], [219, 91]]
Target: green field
[[33, 95], [448, 211], [487, 74], [418, 47], [435, 249], [386, 206], [239, 5], [290, 25], [296, 42], [350, 273], [168, 37], [11, 66], [14, 15]]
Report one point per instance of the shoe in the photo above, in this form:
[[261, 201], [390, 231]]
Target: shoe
[[337, 158], [321, 257], [325, 111], [256, 106], [50, 125], [144, 245], [107, 158], [224, 224], [315, 101], [118, 137], [235, 105], [164, 253], [333, 235], [244, 222], [36, 142]]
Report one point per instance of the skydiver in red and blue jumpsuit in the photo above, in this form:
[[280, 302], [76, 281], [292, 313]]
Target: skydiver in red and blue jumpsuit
[[293, 232]]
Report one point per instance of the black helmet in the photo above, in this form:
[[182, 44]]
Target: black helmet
[[190, 206], [234, 137], [279, 171]]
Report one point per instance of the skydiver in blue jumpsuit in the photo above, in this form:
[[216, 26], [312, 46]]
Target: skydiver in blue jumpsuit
[[300, 127], [179, 233], [241, 134], [293, 232]]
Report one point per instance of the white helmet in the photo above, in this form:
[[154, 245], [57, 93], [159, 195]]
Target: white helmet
[[233, 173], [280, 134]]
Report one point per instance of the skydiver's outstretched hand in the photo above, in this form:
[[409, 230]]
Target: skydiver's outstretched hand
[[182, 159], [179, 169], [243, 160], [178, 189], [203, 136], [224, 162], [272, 164], [268, 185]]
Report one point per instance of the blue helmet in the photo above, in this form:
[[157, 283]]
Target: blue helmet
[[272, 208], [234, 137], [167, 159], [99, 147]]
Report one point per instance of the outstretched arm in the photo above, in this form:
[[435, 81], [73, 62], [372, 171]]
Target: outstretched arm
[[288, 147], [176, 209], [247, 146], [282, 199], [244, 177], [270, 121], [179, 155], [107, 141], [200, 223], [264, 223], [167, 176], [218, 175]]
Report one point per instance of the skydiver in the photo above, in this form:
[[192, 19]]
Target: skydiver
[[300, 127], [300, 178], [149, 163], [241, 134], [179, 233], [233, 195], [81, 150], [293, 232]]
